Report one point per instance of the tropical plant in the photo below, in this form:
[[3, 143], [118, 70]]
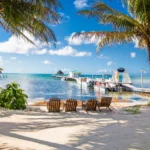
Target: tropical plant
[[13, 97], [1, 69], [126, 27], [148, 104], [133, 109], [33, 16]]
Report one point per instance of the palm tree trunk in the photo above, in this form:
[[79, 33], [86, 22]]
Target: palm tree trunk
[[1, 9]]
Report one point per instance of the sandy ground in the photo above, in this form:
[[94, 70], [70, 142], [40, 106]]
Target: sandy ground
[[105, 130]]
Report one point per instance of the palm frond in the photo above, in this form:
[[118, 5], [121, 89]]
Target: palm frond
[[107, 15], [107, 38], [32, 15], [140, 9], [127, 28], [116, 38]]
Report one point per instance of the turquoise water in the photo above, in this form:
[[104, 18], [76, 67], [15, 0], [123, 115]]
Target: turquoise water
[[44, 86]]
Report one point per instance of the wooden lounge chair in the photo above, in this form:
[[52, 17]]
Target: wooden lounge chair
[[105, 102], [70, 105], [90, 105], [53, 105]]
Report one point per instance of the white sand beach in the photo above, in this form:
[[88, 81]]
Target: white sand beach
[[36, 129]]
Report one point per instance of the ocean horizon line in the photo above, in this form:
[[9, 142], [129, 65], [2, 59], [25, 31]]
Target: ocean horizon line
[[68, 73]]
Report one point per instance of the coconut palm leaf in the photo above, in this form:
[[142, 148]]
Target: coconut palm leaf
[[107, 38], [33, 16], [126, 27]]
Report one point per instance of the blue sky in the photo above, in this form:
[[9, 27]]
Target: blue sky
[[18, 56]]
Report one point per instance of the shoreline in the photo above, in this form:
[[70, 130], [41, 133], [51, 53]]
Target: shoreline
[[79, 102], [36, 129], [43, 102], [125, 96]]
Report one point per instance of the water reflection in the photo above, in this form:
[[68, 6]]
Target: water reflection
[[45, 87]]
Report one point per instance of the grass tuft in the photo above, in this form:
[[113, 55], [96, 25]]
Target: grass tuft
[[133, 109], [148, 104]]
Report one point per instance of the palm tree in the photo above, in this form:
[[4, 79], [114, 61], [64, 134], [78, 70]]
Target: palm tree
[[33, 16], [126, 27], [1, 69]]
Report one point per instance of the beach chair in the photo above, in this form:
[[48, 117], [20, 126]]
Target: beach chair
[[53, 105], [70, 105], [105, 102], [90, 105]]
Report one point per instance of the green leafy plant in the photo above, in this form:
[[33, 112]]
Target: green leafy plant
[[148, 104], [13, 97], [133, 109]]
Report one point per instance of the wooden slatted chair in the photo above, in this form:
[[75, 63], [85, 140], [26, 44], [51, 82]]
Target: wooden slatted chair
[[105, 102], [70, 105], [53, 105], [90, 105]]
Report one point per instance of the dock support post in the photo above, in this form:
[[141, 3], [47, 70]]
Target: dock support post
[[81, 85], [142, 79]]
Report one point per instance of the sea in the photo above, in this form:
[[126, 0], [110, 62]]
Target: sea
[[45, 86]]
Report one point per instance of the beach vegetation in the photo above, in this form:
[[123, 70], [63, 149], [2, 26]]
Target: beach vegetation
[[148, 104], [133, 26], [32, 16], [13, 97], [133, 109]]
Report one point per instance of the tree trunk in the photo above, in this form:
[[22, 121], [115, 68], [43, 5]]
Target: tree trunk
[[1, 9]]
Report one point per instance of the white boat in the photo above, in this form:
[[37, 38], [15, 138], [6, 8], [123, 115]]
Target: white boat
[[82, 81]]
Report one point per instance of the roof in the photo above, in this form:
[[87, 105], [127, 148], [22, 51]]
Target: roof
[[121, 70], [60, 72], [75, 71]]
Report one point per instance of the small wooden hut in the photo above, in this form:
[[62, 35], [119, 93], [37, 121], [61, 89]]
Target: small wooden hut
[[60, 72]]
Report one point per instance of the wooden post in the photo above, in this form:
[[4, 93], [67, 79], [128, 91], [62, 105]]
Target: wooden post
[[81, 85], [142, 79]]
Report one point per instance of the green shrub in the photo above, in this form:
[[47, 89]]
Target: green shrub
[[13, 97], [148, 104], [133, 109]]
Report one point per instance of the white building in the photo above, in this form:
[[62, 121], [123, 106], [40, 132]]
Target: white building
[[74, 74]]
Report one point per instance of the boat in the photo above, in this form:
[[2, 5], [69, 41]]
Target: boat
[[82, 81]]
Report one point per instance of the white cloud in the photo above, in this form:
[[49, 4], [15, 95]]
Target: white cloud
[[109, 63], [102, 71], [80, 40], [101, 56], [136, 42], [21, 46], [58, 43], [46, 62], [19, 62], [13, 58], [79, 4], [41, 52], [65, 17], [65, 70], [133, 55], [69, 51]]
